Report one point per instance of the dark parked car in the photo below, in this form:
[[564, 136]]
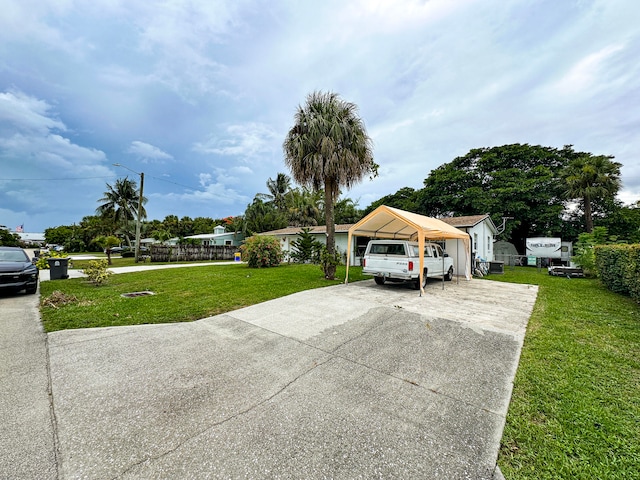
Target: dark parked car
[[17, 272]]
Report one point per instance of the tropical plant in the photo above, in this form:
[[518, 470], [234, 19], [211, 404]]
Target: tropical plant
[[107, 243], [120, 204], [306, 248], [278, 191], [306, 207], [590, 178], [262, 251], [328, 148], [585, 249], [97, 272]]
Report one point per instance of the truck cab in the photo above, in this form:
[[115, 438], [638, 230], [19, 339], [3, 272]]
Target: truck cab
[[399, 261]]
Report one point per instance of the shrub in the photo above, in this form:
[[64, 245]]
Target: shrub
[[97, 271], [261, 251], [326, 259], [619, 268]]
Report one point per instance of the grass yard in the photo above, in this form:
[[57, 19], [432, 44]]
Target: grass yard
[[575, 409], [181, 294]]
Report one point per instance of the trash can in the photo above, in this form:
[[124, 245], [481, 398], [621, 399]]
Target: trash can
[[496, 267], [58, 268], [238, 257]]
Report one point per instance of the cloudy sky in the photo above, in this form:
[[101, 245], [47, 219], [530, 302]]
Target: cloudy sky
[[199, 94]]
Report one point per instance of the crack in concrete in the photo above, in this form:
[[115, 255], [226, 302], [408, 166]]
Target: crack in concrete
[[226, 420]]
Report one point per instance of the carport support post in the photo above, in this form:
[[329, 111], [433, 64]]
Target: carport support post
[[444, 242], [346, 277], [421, 257]]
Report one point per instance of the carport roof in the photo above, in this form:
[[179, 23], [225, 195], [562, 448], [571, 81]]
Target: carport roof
[[389, 222]]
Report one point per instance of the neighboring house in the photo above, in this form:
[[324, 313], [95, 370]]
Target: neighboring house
[[482, 232], [35, 239], [289, 234], [219, 237]]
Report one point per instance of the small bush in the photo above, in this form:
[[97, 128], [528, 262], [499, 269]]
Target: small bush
[[261, 251], [97, 271]]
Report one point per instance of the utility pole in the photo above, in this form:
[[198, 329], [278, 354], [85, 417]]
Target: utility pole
[[139, 216]]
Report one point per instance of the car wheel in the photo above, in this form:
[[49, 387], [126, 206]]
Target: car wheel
[[449, 276], [31, 290], [416, 282], [379, 280]]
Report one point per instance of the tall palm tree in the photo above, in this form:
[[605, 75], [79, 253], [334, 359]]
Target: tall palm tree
[[328, 147], [591, 178], [120, 203]]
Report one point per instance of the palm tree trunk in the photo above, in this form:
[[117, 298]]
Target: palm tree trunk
[[329, 266], [588, 217]]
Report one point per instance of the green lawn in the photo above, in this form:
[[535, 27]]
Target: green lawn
[[575, 410], [181, 294]]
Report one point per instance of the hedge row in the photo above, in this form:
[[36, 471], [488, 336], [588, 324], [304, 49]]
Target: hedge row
[[619, 268]]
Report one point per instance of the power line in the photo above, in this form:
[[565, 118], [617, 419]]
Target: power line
[[49, 179], [92, 178]]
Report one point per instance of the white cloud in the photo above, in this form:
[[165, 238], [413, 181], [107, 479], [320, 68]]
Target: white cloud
[[26, 113], [249, 140], [146, 151]]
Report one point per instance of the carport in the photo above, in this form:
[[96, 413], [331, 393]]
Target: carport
[[393, 223]]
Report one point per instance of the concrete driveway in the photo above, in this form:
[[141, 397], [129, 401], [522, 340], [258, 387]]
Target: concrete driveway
[[355, 381]]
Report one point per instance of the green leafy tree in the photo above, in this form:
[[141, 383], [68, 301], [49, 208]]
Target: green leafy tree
[[590, 178], [306, 248], [261, 216], [519, 181], [305, 207], [171, 223], [405, 199], [346, 211], [585, 252], [328, 148], [8, 239]]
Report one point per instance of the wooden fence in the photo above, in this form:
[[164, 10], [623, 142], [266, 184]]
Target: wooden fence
[[192, 253]]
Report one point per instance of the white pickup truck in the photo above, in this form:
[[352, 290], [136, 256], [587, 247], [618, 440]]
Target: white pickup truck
[[399, 261]]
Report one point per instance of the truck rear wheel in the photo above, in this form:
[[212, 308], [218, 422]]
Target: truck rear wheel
[[379, 280], [416, 282]]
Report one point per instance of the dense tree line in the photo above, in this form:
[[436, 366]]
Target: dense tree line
[[544, 191]]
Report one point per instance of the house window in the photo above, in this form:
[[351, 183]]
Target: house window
[[475, 242], [488, 244], [227, 242]]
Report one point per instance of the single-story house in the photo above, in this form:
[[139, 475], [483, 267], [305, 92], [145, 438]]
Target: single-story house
[[36, 239], [482, 232], [319, 233], [480, 228], [219, 237]]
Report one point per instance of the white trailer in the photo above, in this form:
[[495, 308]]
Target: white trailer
[[551, 251], [544, 247]]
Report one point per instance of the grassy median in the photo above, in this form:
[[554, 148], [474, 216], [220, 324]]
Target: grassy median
[[575, 410], [180, 294]]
